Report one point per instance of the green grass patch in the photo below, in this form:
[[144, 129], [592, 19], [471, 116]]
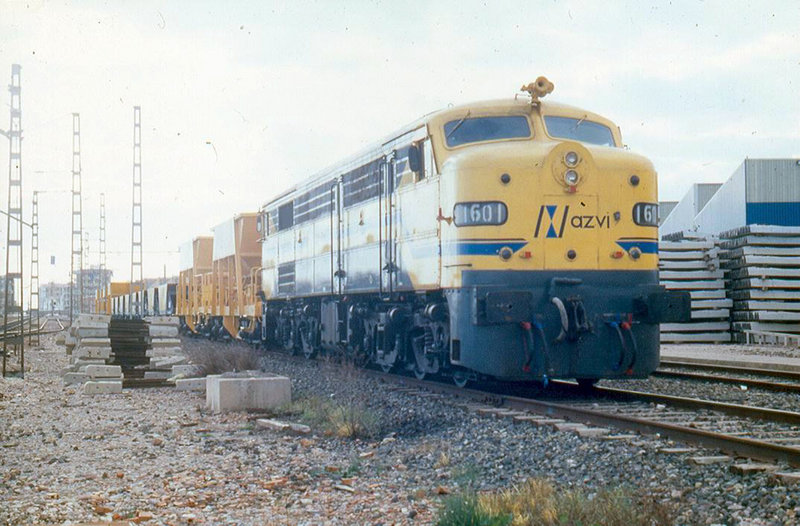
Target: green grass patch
[[346, 419], [537, 502], [466, 510]]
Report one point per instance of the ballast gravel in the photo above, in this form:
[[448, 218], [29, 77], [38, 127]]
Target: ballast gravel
[[156, 456]]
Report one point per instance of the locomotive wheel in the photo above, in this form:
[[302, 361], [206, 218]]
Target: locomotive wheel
[[460, 378], [387, 368], [419, 373], [308, 350], [359, 357], [289, 343], [307, 342]]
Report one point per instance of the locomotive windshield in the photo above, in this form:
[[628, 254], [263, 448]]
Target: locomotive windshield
[[579, 130], [478, 129]]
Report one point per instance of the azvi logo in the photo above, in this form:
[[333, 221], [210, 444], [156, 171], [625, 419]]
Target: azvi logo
[[553, 220]]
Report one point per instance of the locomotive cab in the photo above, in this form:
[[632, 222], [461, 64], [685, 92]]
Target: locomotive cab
[[550, 251]]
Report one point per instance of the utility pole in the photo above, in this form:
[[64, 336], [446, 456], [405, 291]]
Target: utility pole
[[135, 302], [76, 263], [13, 278], [33, 302], [102, 304]]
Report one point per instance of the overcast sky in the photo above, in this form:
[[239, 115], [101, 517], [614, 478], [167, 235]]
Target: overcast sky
[[242, 99]]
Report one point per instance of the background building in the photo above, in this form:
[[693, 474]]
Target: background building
[[759, 192]]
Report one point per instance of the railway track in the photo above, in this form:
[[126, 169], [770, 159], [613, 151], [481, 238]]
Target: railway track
[[758, 433], [43, 329], [714, 373], [753, 432]]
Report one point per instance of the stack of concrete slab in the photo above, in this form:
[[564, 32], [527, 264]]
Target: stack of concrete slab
[[763, 269], [164, 339], [87, 342], [690, 262]]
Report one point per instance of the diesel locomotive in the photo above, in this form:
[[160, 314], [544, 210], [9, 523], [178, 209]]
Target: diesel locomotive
[[512, 239]]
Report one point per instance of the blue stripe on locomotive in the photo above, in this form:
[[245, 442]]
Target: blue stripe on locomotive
[[466, 247]]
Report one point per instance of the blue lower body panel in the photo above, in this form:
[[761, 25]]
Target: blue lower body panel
[[523, 325]]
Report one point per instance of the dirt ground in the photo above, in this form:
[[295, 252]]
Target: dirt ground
[[156, 456]]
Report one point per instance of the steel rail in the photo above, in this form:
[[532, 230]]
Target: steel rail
[[735, 445], [744, 411], [736, 380], [777, 373]]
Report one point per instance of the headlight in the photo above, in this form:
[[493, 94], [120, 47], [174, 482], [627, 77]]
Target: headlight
[[571, 177], [571, 159]]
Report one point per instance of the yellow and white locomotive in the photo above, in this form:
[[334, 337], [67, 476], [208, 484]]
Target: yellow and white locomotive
[[514, 239]]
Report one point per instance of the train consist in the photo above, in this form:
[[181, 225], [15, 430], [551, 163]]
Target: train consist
[[512, 239]]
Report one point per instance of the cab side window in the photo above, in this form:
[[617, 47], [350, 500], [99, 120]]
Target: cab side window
[[428, 162]]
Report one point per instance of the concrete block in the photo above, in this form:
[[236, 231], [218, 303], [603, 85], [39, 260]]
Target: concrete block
[[82, 363], [508, 413], [188, 370], [75, 378], [163, 331], [69, 369], [104, 371], [191, 384], [85, 319], [91, 332], [157, 375], [163, 352], [277, 425], [91, 352], [752, 467], [677, 450], [537, 420], [168, 361], [592, 432], [158, 343], [163, 320], [707, 461], [235, 392], [788, 478], [103, 387], [95, 342], [569, 426]]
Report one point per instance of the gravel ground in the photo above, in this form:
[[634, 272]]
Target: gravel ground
[[67, 458]]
